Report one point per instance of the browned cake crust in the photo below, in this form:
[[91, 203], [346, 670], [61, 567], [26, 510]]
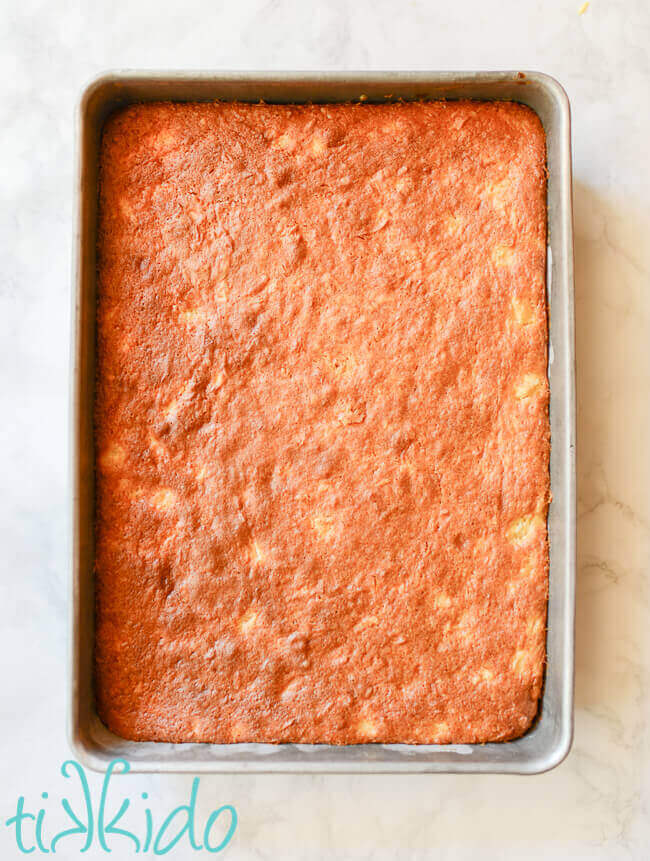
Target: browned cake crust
[[321, 423]]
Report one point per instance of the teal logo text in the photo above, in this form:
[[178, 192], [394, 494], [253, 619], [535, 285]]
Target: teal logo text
[[103, 826]]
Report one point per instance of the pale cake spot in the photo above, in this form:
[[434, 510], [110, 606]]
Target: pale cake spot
[[403, 187], [526, 572], [219, 253], [248, 621], [160, 194], [382, 298], [389, 186], [395, 129], [408, 468], [464, 630], [483, 548], [409, 252], [127, 209], [201, 473], [522, 662], [324, 487], [453, 225], [367, 729], [256, 553], [380, 181], [173, 408], [170, 413], [217, 381], [125, 345], [366, 622], [527, 569], [124, 486], [442, 601], [239, 732], [343, 365], [163, 499], [291, 690], [318, 145], [380, 221], [286, 142], [498, 194], [157, 447], [162, 142], [195, 211], [440, 732], [113, 456], [503, 255], [197, 729], [197, 271], [191, 584], [110, 314], [522, 530], [198, 316], [322, 524], [529, 385], [485, 674], [463, 635], [522, 312], [351, 414], [534, 627]]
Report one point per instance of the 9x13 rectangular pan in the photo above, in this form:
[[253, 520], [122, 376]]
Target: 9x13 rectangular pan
[[548, 741]]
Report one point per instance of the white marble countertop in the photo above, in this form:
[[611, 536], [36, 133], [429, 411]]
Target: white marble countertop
[[593, 806]]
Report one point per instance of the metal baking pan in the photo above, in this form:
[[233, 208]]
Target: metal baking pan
[[548, 741]]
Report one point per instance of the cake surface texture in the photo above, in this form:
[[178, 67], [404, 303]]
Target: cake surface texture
[[321, 422]]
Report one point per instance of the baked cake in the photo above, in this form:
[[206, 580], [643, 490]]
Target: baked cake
[[322, 436]]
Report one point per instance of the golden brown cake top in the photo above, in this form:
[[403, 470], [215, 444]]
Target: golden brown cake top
[[321, 422]]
